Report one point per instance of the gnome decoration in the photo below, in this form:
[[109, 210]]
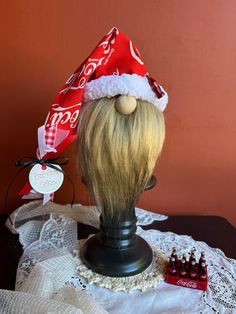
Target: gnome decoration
[[115, 107]]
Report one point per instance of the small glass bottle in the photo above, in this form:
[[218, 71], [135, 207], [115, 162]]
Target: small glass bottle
[[202, 273], [182, 269], [172, 267], [193, 270]]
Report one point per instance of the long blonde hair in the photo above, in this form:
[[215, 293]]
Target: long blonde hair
[[117, 153]]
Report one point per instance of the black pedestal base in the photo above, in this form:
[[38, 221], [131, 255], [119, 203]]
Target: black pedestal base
[[116, 262]]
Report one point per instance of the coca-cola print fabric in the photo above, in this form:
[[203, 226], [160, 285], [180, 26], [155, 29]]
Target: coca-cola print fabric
[[114, 55]]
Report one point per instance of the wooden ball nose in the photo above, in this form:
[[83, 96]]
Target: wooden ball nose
[[126, 104]]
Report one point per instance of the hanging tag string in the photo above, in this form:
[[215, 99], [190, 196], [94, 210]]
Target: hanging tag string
[[31, 161], [26, 162]]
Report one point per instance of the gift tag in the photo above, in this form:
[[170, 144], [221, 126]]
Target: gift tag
[[44, 179]]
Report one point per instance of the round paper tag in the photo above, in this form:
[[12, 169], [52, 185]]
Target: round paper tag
[[45, 180]]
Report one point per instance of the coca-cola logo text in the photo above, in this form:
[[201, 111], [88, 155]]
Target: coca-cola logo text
[[78, 79], [64, 116], [188, 284]]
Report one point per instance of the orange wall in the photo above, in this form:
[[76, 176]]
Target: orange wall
[[188, 46]]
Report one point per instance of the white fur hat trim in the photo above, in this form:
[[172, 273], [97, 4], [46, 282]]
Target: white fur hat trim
[[125, 84]]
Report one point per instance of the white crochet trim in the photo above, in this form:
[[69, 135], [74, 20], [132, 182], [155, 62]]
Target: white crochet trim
[[149, 278], [125, 84]]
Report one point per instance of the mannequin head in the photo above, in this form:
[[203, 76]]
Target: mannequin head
[[117, 152]]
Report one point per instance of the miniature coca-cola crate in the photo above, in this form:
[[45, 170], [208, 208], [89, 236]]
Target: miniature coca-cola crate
[[185, 281]]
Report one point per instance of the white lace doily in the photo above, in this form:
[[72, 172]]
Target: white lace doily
[[147, 279], [47, 271], [32, 216]]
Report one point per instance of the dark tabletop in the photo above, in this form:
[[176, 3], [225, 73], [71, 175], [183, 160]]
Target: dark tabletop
[[215, 231]]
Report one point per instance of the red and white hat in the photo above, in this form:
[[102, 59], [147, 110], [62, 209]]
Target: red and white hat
[[113, 68]]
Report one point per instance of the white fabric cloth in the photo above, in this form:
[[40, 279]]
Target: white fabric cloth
[[48, 280]]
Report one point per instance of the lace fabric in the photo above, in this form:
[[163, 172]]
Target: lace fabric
[[33, 215], [149, 278], [50, 271], [221, 294]]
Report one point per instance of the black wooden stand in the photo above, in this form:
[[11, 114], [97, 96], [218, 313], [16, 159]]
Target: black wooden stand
[[116, 251]]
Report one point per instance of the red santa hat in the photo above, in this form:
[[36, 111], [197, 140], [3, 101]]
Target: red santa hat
[[113, 68]]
